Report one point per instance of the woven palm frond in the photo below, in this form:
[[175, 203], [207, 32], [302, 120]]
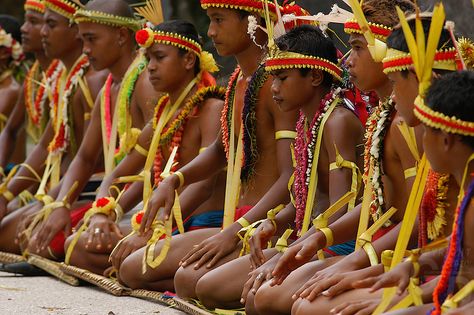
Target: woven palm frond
[[109, 285], [190, 308], [9, 258], [152, 11], [53, 268], [153, 296]]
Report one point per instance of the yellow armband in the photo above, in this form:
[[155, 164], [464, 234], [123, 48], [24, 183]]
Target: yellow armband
[[271, 214], [410, 172], [356, 182], [285, 134], [141, 150], [180, 177], [243, 222], [282, 243], [322, 220], [87, 116], [365, 239], [201, 150]]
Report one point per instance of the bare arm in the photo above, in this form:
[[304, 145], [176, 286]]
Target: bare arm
[[14, 124]]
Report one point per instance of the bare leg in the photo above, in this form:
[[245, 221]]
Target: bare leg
[[95, 261], [278, 299], [161, 278], [323, 305], [213, 292]]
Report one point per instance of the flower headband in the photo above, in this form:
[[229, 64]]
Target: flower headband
[[63, 7], [441, 121], [252, 6], [147, 37], [83, 15], [14, 47], [34, 5], [396, 60], [375, 34], [291, 60]]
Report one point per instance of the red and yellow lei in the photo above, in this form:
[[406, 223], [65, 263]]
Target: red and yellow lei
[[60, 110], [36, 96]]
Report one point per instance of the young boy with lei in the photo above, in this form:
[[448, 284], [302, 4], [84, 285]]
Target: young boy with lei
[[439, 197], [11, 67], [123, 104], [34, 98], [171, 47], [304, 68], [250, 122], [390, 156], [72, 89], [449, 126]]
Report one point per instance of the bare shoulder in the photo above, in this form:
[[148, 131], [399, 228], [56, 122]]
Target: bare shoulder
[[95, 80], [343, 119], [211, 104]]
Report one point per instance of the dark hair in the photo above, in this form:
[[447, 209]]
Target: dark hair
[[397, 41], [384, 11], [11, 25], [309, 40], [453, 95], [185, 29]]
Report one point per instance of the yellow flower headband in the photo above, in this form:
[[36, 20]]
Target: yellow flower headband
[[292, 60], [147, 37], [64, 7], [396, 60], [83, 15], [34, 5], [252, 6], [375, 34]]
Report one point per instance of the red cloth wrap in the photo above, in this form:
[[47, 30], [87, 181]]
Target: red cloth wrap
[[57, 244]]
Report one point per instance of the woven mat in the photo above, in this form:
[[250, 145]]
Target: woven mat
[[153, 296], [109, 285], [53, 268], [9, 258], [189, 307]]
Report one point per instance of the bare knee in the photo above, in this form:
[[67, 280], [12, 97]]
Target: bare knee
[[185, 282], [264, 299], [250, 305], [207, 292], [130, 273]]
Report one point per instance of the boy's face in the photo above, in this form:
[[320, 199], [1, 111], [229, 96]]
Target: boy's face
[[31, 32], [165, 67], [405, 90], [291, 90], [228, 31], [434, 146], [101, 44], [365, 73], [58, 37]]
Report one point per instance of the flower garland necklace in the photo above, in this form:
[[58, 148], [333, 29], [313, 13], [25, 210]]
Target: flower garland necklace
[[305, 145], [433, 207], [61, 108], [172, 134], [35, 99], [376, 129], [249, 119]]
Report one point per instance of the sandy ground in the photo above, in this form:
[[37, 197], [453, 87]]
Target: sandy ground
[[48, 296]]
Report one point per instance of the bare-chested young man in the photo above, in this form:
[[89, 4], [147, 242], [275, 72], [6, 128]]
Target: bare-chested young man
[[265, 167], [397, 157], [134, 109], [73, 88], [313, 91], [31, 109], [182, 71]]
